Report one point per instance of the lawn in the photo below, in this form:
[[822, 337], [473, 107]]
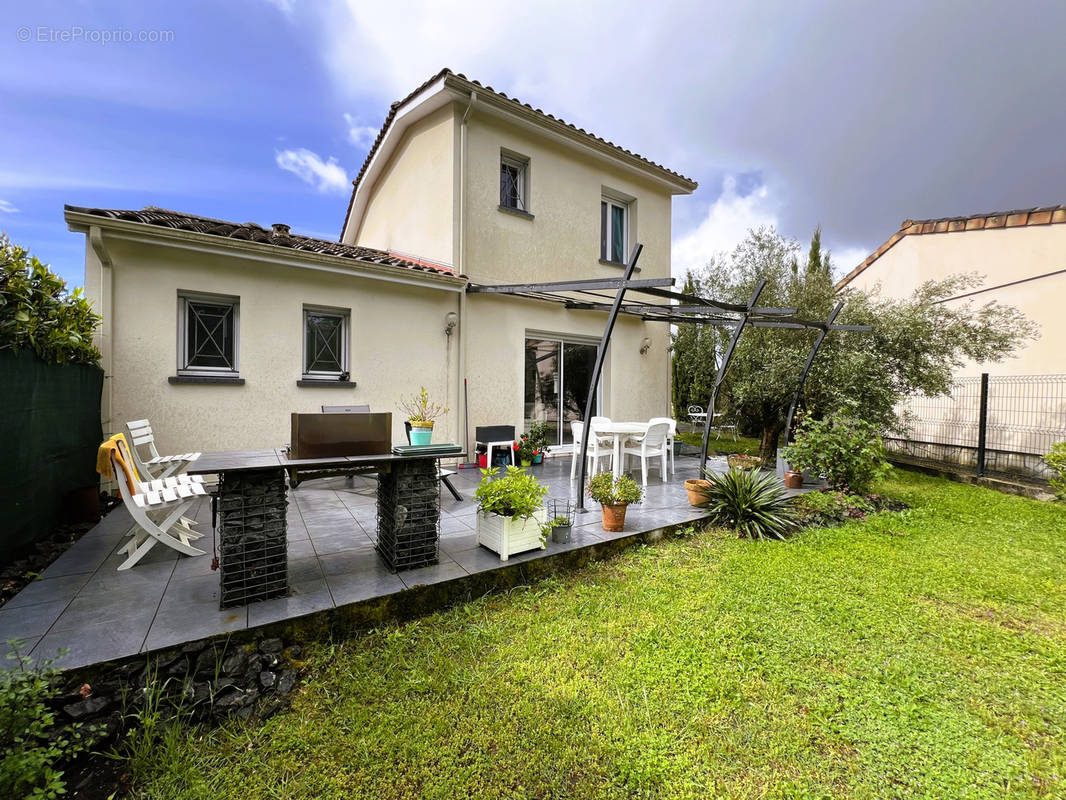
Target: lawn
[[722, 444], [913, 655]]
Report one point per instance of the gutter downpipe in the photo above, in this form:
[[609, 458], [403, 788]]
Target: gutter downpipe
[[461, 391], [96, 241]]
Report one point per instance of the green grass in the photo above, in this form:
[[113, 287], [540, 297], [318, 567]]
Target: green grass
[[723, 445], [913, 655]]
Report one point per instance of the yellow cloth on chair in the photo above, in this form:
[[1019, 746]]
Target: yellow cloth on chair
[[117, 446]]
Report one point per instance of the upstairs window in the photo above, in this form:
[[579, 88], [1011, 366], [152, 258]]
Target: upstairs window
[[207, 334], [326, 343], [513, 182], [614, 230]]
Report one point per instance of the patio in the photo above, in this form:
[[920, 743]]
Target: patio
[[83, 605]]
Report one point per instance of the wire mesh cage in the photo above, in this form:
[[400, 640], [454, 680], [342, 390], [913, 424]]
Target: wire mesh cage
[[561, 519], [253, 560], [409, 515]]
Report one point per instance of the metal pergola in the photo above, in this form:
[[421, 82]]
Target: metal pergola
[[681, 309]]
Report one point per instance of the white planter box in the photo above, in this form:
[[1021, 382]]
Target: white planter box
[[510, 535]]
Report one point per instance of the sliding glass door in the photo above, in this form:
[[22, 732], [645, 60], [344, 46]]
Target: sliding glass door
[[558, 376]]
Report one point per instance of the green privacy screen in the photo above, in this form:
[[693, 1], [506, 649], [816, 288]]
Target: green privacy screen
[[49, 432]]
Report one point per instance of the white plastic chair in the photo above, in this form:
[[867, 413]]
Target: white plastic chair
[[650, 445], [669, 438], [139, 434], [173, 496], [598, 447]]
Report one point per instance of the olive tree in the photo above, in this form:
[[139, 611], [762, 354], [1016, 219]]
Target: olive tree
[[916, 345]]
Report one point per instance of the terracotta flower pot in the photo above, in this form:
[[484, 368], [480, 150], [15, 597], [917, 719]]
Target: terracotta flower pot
[[695, 496], [793, 479], [614, 517]]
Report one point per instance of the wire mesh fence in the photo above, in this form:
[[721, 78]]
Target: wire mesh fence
[[998, 426]]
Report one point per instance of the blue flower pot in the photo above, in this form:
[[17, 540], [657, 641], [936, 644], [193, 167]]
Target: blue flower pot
[[421, 435]]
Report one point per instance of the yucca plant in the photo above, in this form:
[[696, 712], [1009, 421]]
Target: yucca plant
[[753, 503]]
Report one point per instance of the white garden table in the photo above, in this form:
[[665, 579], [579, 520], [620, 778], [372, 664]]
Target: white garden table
[[620, 431]]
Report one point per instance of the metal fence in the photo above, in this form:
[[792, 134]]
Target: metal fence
[[998, 426]]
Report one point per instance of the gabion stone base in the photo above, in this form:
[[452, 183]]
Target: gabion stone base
[[409, 514], [252, 543]]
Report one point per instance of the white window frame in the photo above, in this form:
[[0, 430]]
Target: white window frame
[[605, 242], [520, 163], [184, 298], [345, 315]]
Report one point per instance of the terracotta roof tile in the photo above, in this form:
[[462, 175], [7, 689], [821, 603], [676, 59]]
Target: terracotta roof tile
[[278, 236], [1044, 215]]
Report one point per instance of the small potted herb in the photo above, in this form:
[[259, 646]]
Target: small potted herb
[[421, 413], [614, 495], [560, 520], [510, 517], [538, 435]]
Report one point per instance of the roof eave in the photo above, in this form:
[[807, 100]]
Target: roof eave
[[81, 222]]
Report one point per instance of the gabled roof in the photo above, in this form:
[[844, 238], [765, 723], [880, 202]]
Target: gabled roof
[[463, 86], [1043, 215], [277, 236]]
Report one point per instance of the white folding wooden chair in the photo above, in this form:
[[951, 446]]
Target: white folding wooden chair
[[139, 434], [166, 498], [598, 447], [669, 437], [651, 445]]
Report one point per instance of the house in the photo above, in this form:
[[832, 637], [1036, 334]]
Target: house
[[216, 330], [1021, 256]]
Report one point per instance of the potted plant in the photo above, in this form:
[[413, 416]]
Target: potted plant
[[525, 450], [510, 517], [421, 413], [560, 520], [793, 477], [614, 495], [696, 488], [538, 434]]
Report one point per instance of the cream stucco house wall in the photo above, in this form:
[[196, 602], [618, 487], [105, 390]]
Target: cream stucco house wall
[[1020, 256], [429, 216]]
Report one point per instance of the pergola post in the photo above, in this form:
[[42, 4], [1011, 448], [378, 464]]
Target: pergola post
[[726, 358], [807, 368], [601, 353]]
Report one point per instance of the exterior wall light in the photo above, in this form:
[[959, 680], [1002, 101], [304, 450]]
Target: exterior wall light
[[645, 346]]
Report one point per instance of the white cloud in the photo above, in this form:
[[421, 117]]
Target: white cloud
[[362, 136], [7, 208], [326, 176], [845, 259], [727, 223], [286, 7]]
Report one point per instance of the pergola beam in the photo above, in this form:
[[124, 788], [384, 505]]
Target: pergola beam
[[571, 286]]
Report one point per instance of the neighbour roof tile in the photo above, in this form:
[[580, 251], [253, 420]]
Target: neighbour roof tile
[[1044, 215], [395, 107], [278, 236]]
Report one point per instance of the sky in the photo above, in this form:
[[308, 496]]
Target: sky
[[846, 114]]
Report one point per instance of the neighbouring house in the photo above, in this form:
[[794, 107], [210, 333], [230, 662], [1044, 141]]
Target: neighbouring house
[[216, 330], [1021, 256]]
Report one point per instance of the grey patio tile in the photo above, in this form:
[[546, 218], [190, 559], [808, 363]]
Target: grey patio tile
[[304, 598], [355, 560], [449, 524], [147, 576], [302, 570], [300, 548], [48, 590], [458, 542], [353, 587], [191, 566], [92, 643], [189, 611], [86, 555], [29, 621], [133, 606], [437, 573], [480, 559], [341, 541]]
